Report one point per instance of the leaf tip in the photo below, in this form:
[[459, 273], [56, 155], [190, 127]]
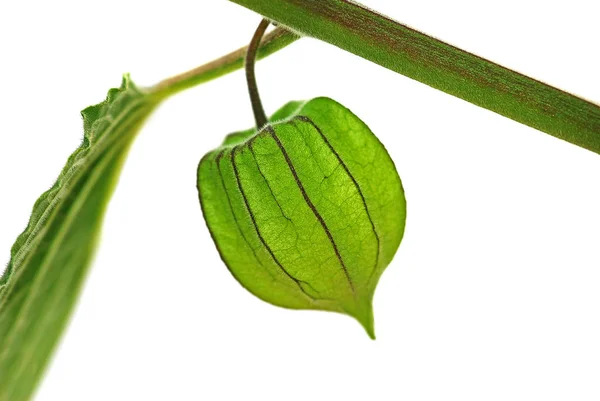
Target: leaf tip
[[366, 319], [369, 328]]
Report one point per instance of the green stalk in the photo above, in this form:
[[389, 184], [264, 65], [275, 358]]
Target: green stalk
[[404, 50], [271, 43], [50, 259]]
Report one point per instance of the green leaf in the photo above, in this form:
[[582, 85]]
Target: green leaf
[[375, 37], [307, 212], [51, 257]]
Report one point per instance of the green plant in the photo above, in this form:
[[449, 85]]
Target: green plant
[[44, 253]]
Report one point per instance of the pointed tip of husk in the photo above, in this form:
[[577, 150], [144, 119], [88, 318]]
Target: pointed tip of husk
[[370, 332], [366, 319], [369, 327]]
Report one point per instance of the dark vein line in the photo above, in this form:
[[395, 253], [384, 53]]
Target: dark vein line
[[253, 218], [310, 204], [251, 147], [212, 234], [360, 192], [218, 160]]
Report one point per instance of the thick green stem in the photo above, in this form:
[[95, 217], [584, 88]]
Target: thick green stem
[[271, 43], [402, 49]]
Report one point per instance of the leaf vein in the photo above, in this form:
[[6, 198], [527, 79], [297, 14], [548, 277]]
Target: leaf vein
[[260, 236], [358, 188], [311, 205]]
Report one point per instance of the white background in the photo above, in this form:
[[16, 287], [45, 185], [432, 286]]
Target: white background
[[494, 293]]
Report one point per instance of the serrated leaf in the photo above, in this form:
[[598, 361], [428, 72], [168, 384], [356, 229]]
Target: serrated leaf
[[50, 258], [307, 212]]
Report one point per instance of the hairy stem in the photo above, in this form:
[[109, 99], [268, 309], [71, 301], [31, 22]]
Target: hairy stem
[[397, 47]]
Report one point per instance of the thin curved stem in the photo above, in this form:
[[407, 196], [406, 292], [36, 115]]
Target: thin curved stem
[[257, 107]]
